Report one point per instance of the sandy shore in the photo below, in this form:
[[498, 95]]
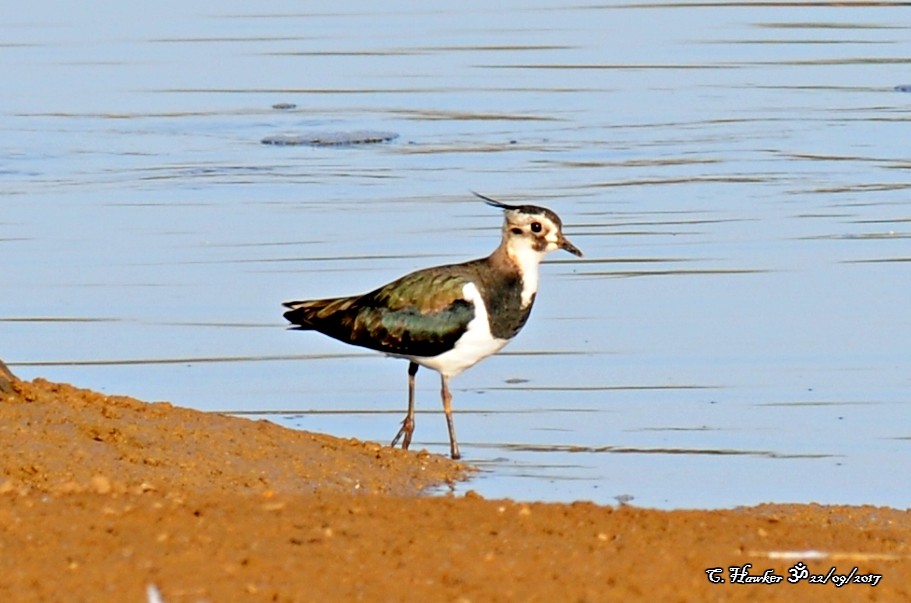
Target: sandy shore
[[103, 496]]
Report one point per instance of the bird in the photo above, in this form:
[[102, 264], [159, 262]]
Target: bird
[[446, 318]]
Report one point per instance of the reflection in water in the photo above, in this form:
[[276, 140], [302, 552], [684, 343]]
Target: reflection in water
[[750, 161]]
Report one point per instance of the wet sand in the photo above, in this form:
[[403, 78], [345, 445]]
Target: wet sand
[[103, 496]]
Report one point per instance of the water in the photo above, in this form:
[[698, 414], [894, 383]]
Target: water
[[736, 174]]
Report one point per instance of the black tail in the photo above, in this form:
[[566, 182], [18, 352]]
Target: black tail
[[301, 313], [318, 314]]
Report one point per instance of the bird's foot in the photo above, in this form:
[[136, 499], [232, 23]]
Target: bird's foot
[[404, 433]]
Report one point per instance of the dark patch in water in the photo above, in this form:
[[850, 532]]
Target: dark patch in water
[[321, 139]]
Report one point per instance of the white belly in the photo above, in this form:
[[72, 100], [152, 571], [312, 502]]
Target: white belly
[[475, 345]]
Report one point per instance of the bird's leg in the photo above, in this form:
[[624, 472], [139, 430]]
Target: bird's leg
[[408, 423], [447, 408]]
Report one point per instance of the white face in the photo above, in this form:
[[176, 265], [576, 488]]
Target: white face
[[537, 232]]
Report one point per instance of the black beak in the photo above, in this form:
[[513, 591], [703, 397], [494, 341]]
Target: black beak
[[566, 245]]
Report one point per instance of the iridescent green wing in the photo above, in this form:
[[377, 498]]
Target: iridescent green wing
[[421, 314]]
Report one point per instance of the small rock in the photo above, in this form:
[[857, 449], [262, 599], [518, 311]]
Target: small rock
[[101, 484], [153, 595], [146, 487]]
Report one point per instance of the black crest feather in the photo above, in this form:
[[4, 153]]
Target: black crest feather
[[524, 209], [494, 202]]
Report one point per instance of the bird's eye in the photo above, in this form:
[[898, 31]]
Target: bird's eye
[[536, 227], [516, 231]]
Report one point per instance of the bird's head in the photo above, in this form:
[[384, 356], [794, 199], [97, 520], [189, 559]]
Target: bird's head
[[529, 227]]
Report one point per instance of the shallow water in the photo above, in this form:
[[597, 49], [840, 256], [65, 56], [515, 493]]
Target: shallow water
[[736, 174]]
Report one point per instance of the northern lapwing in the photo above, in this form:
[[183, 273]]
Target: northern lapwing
[[447, 318]]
